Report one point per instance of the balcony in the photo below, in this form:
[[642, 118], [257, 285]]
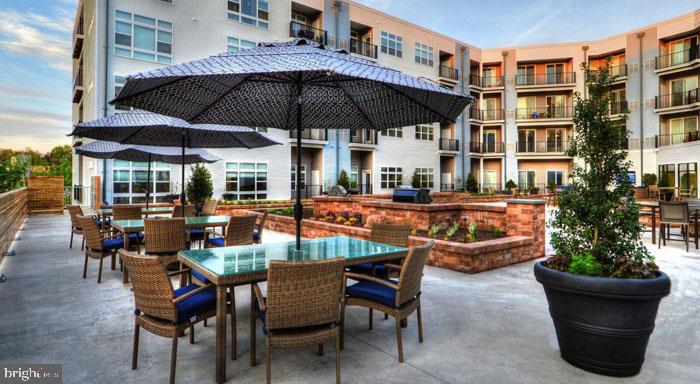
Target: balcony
[[492, 82], [448, 75], [449, 145], [492, 115], [487, 147], [544, 113], [678, 102], [316, 137], [618, 108], [474, 80], [363, 139], [300, 30], [677, 138], [541, 147], [474, 113], [617, 71], [78, 86], [546, 80], [362, 48], [78, 40], [675, 60]]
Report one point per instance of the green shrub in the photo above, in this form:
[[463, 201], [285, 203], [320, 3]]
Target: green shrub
[[472, 186], [415, 179], [199, 185], [343, 180], [472, 232], [511, 184], [495, 232], [648, 179], [585, 264], [433, 230]]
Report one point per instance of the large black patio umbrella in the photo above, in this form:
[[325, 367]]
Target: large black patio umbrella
[[292, 85], [146, 128], [144, 153]]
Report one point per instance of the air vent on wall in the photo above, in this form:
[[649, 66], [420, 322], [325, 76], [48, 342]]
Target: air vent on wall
[[633, 67], [649, 103], [510, 114], [633, 104], [649, 64]]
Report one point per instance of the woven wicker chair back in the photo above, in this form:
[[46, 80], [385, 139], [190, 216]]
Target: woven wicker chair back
[[91, 231], [189, 211], [209, 207], [260, 226], [240, 230], [674, 212], [126, 212], [303, 293], [153, 290], [165, 235], [75, 211], [412, 273], [392, 234]]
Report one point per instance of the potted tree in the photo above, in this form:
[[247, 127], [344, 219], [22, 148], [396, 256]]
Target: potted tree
[[603, 287], [343, 180], [512, 187], [199, 186], [415, 179], [472, 186]]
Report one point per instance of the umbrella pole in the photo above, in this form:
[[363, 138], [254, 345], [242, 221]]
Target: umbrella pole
[[182, 176], [298, 208], [148, 182]]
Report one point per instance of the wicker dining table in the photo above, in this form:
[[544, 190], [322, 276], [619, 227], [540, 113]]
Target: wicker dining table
[[245, 264], [693, 207]]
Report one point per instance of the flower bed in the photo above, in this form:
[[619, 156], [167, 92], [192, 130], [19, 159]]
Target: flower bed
[[461, 235], [341, 217]]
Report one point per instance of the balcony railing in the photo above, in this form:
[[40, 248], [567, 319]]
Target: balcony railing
[[297, 29], [307, 191], [553, 146], [447, 187], [310, 134], [678, 99], [475, 80], [78, 78], [79, 30], [363, 136], [677, 138], [361, 189], [615, 71], [363, 48], [491, 114], [618, 107], [492, 81], [449, 72], [546, 79], [676, 58], [449, 145], [474, 112], [544, 113], [487, 147]]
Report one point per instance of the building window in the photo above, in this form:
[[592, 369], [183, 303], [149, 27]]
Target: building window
[[251, 12], [354, 174], [143, 38], [424, 54], [688, 177], [425, 176], [391, 177], [681, 129], [667, 175], [425, 132], [235, 44], [130, 182], [392, 44], [556, 178], [526, 180], [246, 181], [119, 82], [302, 178], [393, 132]]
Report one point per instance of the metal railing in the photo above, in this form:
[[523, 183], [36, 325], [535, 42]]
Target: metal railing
[[615, 71], [492, 81], [449, 72], [486, 147], [363, 136], [320, 134], [363, 48], [544, 113], [79, 30], [474, 112], [447, 187], [678, 99], [474, 80], [677, 138], [297, 29], [546, 79], [449, 144], [550, 146], [307, 191], [618, 107], [360, 189], [491, 114], [676, 58]]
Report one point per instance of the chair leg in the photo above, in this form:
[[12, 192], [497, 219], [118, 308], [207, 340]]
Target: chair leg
[[320, 349], [173, 359], [337, 358], [205, 323], [192, 334], [342, 326], [135, 352], [399, 342], [85, 265], [687, 235], [420, 323], [70, 246], [371, 315], [114, 261], [82, 244], [267, 359], [99, 273], [253, 333], [386, 316], [234, 347]]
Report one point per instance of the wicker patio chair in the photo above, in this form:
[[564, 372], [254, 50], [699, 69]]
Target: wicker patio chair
[[166, 237], [162, 310], [129, 212], [189, 211], [98, 244], [685, 193], [654, 191], [398, 299], [259, 228], [676, 214], [209, 208], [392, 234], [75, 228], [302, 307], [239, 231]]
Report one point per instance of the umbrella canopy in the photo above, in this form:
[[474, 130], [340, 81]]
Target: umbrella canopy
[[291, 85], [144, 153]]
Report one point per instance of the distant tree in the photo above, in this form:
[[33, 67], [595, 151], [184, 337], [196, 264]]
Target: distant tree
[[415, 180], [343, 180], [199, 185], [472, 185]]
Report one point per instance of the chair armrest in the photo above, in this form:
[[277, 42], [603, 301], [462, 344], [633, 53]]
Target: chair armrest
[[213, 232], [110, 237], [178, 272], [393, 266], [192, 293], [359, 276], [259, 297]]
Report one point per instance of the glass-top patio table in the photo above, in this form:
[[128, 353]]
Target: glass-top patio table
[[106, 212], [231, 266]]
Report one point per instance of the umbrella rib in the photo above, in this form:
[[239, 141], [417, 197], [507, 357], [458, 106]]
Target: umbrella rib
[[219, 98], [357, 106], [387, 86], [139, 93]]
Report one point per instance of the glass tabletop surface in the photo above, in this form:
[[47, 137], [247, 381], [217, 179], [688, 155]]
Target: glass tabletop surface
[[214, 221], [109, 211], [226, 261]]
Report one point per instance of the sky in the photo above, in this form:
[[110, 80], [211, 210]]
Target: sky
[[35, 45]]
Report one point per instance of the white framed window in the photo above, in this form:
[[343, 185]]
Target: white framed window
[[119, 82], [526, 179], [302, 178], [393, 132], [143, 38], [392, 44], [251, 12], [234, 44], [391, 177], [425, 132], [682, 127], [426, 176], [424, 54], [354, 175], [130, 182], [246, 181], [556, 177]]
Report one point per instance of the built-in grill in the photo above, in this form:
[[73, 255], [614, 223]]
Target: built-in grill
[[412, 195]]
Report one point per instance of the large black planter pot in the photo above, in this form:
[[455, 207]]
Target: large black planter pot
[[603, 324]]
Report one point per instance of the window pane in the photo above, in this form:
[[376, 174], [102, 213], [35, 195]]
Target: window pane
[[163, 176], [144, 38], [121, 175], [144, 56], [123, 15], [144, 20], [121, 188], [246, 181], [123, 27]]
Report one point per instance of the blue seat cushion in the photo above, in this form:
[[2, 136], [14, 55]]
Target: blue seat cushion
[[99, 221], [196, 233], [112, 244], [256, 235], [369, 269], [199, 276], [216, 241], [373, 291], [134, 236], [201, 302]]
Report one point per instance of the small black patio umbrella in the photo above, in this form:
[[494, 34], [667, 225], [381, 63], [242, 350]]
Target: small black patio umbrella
[[292, 85], [144, 153], [146, 128]]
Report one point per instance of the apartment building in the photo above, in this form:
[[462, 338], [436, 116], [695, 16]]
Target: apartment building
[[518, 129]]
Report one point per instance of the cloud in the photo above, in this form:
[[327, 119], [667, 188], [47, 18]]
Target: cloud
[[528, 33], [12, 91], [37, 129]]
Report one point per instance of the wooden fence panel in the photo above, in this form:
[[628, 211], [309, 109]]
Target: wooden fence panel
[[45, 194], [13, 211]]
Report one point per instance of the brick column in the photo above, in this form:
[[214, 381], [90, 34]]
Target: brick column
[[526, 217]]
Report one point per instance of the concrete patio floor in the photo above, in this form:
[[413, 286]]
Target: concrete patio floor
[[492, 327]]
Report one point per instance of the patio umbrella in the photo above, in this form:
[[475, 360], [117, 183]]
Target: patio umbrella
[[144, 153], [291, 85], [146, 128]]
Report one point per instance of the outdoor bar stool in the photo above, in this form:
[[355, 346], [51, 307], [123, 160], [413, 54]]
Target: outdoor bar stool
[[673, 213], [98, 244], [162, 310], [259, 227], [166, 237], [397, 298], [75, 228], [129, 212], [302, 308]]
